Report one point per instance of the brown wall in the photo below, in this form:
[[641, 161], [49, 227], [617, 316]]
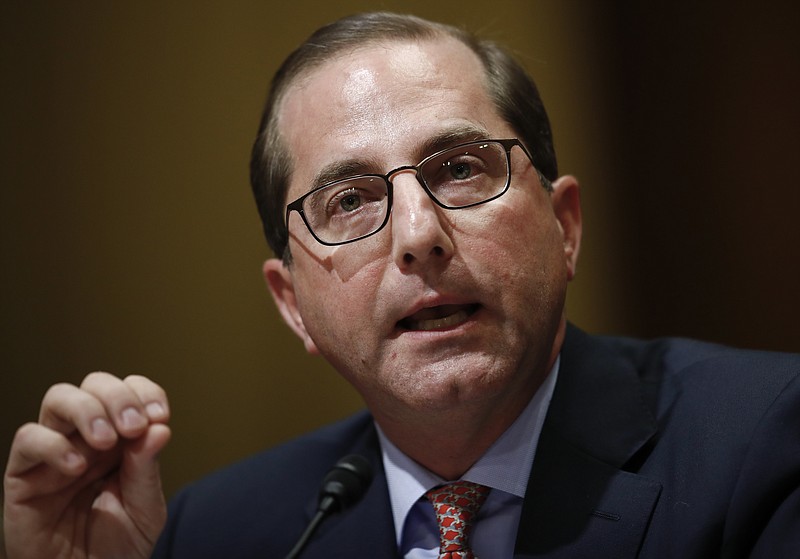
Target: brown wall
[[130, 242]]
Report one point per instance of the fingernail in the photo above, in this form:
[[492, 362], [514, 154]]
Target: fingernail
[[102, 429], [155, 410], [132, 419], [73, 460]]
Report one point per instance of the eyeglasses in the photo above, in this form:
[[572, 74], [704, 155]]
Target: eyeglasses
[[459, 177]]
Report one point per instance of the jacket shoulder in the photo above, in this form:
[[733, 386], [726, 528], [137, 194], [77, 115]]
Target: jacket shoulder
[[304, 456], [258, 502], [671, 365], [725, 433]]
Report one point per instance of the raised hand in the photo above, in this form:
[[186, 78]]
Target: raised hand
[[84, 482]]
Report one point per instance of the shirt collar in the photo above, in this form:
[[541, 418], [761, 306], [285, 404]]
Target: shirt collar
[[505, 466]]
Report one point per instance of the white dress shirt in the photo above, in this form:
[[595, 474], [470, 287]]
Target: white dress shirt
[[505, 468]]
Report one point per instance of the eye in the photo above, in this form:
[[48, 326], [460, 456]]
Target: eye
[[459, 168], [349, 202], [459, 171], [351, 198]]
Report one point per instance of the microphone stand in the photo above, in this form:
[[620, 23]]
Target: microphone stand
[[343, 486], [325, 508]]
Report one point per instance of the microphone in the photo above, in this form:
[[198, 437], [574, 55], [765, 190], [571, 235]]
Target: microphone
[[342, 487]]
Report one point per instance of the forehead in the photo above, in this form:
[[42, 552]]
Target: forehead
[[381, 102]]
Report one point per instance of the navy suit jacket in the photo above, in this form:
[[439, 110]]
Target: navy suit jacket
[[664, 449]]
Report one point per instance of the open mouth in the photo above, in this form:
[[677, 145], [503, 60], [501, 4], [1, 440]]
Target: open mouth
[[438, 318]]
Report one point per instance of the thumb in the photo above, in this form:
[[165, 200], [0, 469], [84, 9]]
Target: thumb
[[140, 481]]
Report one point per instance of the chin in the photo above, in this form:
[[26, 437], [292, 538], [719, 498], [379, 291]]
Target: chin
[[448, 383]]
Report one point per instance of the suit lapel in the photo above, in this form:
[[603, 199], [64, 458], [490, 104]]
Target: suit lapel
[[580, 502]]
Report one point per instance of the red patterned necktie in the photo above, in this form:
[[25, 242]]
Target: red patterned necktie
[[456, 505]]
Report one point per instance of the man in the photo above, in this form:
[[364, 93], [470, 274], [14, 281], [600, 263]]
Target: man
[[408, 187]]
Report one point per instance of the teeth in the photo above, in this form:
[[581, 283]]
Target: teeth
[[444, 322]]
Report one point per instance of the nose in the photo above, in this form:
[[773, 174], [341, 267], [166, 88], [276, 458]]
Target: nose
[[419, 234]]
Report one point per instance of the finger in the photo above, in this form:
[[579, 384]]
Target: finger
[[140, 480], [35, 444], [152, 396], [67, 408], [121, 403]]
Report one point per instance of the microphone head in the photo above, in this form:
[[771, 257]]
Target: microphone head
[[345, 484]]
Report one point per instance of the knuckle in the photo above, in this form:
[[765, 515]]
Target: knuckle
[[56, 397], [58, 390], [145, 387], [30, 440], [137, 380], [97, 377], [26, 432]]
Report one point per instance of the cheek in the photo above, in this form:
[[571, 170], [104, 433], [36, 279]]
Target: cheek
[[360, 263], [500, 234], [518, 249], [337, 300]]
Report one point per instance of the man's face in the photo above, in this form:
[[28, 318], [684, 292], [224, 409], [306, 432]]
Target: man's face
[[441, 307]]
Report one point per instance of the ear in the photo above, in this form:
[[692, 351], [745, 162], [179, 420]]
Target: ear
[[567, 207], [281, 286]]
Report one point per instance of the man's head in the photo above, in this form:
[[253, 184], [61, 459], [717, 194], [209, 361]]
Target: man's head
[[442, 308], [513, 92]]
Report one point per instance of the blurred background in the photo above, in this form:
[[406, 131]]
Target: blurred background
[[130, 242]]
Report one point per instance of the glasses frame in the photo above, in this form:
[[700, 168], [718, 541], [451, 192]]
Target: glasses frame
[[507, 144]]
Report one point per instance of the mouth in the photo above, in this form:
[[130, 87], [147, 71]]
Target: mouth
[[437, 318]]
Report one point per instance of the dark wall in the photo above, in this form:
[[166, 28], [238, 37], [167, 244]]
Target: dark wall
[[708, 142]]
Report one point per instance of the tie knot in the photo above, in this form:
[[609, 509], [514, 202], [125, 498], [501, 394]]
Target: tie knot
[[456, 505]]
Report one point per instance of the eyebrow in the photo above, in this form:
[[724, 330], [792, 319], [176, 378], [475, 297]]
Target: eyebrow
[[453, 136], [339, 170]]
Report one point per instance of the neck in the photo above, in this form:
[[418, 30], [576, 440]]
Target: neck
[[440, 451], [448, 438], [430, 439]]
